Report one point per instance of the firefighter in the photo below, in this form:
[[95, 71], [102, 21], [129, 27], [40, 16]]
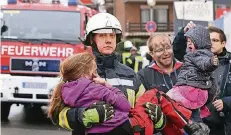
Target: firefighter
[[126, 54], [103, 32], [135, 60]]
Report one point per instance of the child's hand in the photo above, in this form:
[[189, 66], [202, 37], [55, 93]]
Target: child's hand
[[95, 75], [215, 60], [101, 81]]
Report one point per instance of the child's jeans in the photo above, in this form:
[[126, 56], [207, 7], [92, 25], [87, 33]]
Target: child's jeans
[[196, 115], [185, 133]]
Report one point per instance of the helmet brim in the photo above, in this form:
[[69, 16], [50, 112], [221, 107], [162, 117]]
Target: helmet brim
[[107, 30]]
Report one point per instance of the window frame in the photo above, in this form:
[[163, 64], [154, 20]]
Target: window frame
[[155, 7]]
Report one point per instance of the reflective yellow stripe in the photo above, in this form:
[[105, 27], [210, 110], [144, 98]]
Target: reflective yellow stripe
[[63, 122], [61, 118], [136, 67], [129, 61], [141, 91], [160, 123], [125, 55], [138, 59], [131, 97]]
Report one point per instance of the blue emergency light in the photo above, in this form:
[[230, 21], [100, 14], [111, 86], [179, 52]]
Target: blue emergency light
[[12, 1], [72, 2], [3, 67]]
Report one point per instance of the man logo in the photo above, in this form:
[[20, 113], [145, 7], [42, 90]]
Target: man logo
[[35, 64]]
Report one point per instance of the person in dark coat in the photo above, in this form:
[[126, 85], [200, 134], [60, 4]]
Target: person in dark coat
[[162, 72], [103, 32]]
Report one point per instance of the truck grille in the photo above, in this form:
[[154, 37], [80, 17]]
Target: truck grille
[[22, 95], [41, 96]]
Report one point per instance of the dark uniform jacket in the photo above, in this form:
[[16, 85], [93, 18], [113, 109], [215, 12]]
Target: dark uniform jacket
[[153, 77]]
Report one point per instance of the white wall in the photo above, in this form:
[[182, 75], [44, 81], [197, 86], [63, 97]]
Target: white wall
[[227, 30], [3, 2]]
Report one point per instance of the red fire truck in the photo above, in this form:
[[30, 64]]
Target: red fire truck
[[35, 38]]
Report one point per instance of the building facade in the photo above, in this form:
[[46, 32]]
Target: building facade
[[134, 14]]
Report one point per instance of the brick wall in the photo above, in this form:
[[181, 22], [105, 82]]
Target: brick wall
[[130, 11], [119, 12]]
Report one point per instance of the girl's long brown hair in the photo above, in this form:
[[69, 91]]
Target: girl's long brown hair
[[71, 69]]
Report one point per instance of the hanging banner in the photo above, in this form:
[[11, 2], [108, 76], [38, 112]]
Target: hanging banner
[[194, 10]]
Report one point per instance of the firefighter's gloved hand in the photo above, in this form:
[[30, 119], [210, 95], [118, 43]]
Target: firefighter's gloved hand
[[155, 113], [96, 114], [194, 128]]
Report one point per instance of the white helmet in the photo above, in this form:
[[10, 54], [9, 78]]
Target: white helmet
[[128, 44], [103, 23]]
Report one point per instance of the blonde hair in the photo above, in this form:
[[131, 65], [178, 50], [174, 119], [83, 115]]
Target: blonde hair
[[159, 38], [71, 69]]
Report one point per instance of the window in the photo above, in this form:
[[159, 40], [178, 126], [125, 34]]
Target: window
[[145, 15], [160, 15], [35, 24]]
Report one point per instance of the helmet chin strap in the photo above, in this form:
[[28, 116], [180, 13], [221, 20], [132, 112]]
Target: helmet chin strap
[[94, 47], [103, 60]]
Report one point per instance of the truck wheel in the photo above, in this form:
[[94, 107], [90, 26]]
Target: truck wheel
[[32, 113], [5, 110]]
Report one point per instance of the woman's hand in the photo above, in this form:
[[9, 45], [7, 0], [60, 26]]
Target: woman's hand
[[219, 105], [189, 26]]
